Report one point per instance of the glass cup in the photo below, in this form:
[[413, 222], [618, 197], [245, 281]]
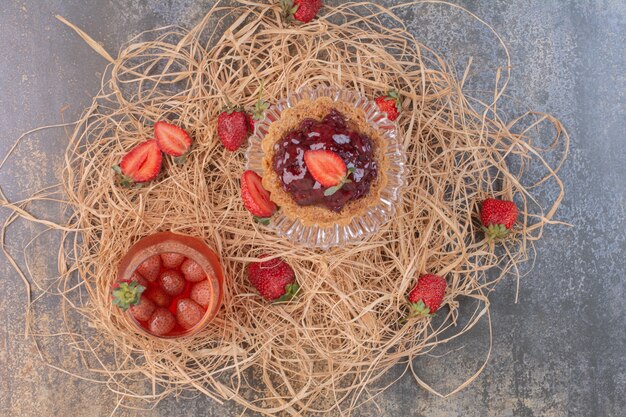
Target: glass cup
[[192, 248]]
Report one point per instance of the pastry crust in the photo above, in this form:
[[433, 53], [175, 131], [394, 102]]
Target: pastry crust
[[318, 215]]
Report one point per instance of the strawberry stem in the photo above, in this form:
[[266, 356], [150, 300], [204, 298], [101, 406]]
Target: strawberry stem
[[261, 106], [127, 295], [230, 107]]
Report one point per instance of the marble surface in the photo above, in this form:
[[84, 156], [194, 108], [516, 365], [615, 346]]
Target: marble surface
[[559, 351]]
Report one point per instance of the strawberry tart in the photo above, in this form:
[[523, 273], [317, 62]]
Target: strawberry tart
[[323, 163]]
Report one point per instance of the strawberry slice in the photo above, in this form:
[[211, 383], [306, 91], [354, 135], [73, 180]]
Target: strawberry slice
[[255, 198], [141, 164], [171, 139], [328, 169]]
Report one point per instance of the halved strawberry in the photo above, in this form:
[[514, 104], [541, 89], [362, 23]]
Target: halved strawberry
[[255, 198], [171, 139], [161, 322], [141, 164], [328, 169]]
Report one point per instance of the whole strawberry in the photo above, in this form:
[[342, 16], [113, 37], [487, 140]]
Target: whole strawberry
[[188, 313], [159, 297], [302, 10], [497, 217], [201, 293], [172, 282], [275, 280], [161, 322], [390, 104], [192, 271], [425, 298], [171, 260], [143, 309], [233, 128], [150, 268]]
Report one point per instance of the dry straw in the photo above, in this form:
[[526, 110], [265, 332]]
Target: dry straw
[[325, 352]]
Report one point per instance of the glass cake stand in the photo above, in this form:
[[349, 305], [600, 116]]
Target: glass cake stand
[[361, 227]]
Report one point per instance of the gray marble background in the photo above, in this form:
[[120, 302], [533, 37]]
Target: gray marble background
[[560, 351]]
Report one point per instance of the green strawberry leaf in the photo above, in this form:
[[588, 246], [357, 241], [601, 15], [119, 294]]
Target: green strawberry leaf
[[291, 290], [123, 180], [180, 160], [262, 220], [289, 9], [393, 94], [127, 295], [332, 190], [419, 309], [495, 231]]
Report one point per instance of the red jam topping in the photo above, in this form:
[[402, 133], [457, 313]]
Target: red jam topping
[[331, 133]]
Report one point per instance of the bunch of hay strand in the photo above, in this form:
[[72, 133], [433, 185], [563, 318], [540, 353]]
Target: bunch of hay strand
[[325, 352]]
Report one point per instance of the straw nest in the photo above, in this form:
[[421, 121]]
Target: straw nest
[[325, 352]]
